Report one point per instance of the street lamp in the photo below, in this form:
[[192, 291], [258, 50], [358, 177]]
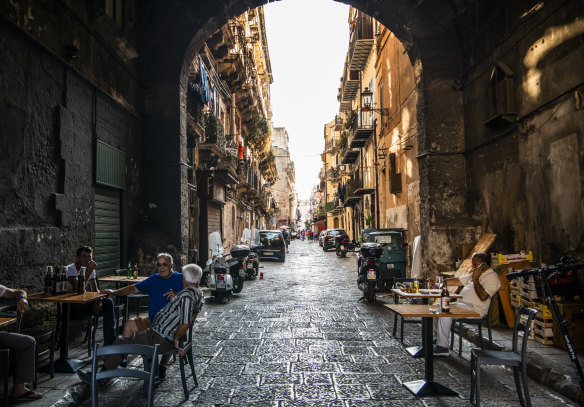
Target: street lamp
[[367, 103]]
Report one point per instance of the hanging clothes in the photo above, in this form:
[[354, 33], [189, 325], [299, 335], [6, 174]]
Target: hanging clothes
[[204, 81]]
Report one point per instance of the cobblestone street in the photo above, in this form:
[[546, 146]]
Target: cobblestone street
[[299, 337]]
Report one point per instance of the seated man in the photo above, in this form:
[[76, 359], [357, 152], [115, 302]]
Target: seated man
[[478, 288], [105, 307], [24, 347], [161, 288], [169, 325]]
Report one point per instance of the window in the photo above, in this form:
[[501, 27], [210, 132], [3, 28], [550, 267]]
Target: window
[[114, 9]]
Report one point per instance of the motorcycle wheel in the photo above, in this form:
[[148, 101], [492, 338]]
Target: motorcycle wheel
[[370, 294], [237, 284]]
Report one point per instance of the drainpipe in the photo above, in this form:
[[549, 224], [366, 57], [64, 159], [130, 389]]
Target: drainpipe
[[375, 169]]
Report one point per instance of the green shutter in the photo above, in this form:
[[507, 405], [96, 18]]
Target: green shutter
[[107, 230], [110, 166]]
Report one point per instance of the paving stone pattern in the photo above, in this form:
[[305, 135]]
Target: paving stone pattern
[[299, 337]]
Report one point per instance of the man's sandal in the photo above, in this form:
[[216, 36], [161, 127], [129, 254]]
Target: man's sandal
[[28, 396]]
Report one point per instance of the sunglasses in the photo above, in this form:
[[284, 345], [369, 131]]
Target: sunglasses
[[162, 264]]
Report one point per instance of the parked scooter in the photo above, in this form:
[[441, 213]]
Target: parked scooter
[[252, 262], [368, 276], [342, 245], [216, 272], [237, 264]]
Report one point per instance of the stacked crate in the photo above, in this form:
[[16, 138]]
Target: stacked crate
[[572, 312], [543, 326], [525, 293]]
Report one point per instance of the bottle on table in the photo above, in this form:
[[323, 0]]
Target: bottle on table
[[416, 284], [135, 276], [81, 281], [445, 298], [48, 280], [64, 287], [129, 271]]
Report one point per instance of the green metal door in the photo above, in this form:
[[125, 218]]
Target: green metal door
[[107, 230]]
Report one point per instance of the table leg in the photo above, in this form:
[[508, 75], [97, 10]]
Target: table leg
[[428, 387], [64, 364], [418, 351]]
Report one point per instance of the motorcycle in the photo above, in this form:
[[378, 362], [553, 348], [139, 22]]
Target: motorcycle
[[342, 245], [216, 272], [368, 277], [252, 261], [236, 264]]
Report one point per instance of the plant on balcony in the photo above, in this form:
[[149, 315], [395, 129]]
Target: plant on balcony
[[214, 130], [350, 119], [258, 133], [369, 219]]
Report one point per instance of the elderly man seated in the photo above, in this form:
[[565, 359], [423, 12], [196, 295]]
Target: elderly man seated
[[477, 289], [169, 325], [24, 347]]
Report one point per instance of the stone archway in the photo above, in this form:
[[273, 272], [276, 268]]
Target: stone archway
[[172, 34]]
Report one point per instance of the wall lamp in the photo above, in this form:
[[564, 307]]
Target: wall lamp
[[367, 103]]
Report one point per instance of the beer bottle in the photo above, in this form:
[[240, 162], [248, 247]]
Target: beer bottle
[[81, 281], [135, 277], [64, 285], [54, 281], [48, 280], [129, 271], [445, 298]]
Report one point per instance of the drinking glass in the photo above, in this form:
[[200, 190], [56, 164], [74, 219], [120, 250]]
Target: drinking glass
[[439, 281]]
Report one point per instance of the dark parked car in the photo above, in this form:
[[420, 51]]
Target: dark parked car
[[328, 240], [272, 245]]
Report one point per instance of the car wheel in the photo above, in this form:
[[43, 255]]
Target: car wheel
[[282, 259]]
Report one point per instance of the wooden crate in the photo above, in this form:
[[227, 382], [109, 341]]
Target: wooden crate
[[543, 327], [543, 340]]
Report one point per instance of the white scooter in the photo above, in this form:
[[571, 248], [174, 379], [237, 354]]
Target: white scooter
[[220, 281]]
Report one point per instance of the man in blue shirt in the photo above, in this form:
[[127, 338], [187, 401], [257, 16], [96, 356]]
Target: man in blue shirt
[[161, 287]]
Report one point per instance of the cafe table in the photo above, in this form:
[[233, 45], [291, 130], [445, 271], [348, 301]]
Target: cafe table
[[425, 295], [64, 364], [122, 280], [428, 387]]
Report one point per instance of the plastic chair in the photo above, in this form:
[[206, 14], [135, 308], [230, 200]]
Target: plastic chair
[[187, 345], [148, 374], [515, 359], [396, 300], [486, 320]]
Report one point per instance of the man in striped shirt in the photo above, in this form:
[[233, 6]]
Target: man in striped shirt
[[169, 325]]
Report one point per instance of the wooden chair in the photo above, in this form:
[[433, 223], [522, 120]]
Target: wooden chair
[[487, 320], [187, 345], [149, 353], [516, 358], [40, 336]]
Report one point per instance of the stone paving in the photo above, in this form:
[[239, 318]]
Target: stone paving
[[299, 337]]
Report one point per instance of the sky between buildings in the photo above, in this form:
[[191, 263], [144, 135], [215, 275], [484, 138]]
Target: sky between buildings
[[307, 41]]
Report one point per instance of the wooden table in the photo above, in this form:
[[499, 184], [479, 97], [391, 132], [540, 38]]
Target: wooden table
[[7, 321], [64, 364], [428, 387], [418, 351]]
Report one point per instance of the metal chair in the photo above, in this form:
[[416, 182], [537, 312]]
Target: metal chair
[[396, 300], [137, 297], [486, 320], [515, 358], [148, 374], [5, 363], [187, 345]]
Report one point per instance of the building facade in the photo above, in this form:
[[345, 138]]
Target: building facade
[[284, 190]]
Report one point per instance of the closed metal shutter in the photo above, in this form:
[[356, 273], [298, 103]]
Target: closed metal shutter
[[107, 230], [214, 218]]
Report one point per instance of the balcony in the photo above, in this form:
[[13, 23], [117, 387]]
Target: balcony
[[361, 42], [226, 171], [212, 146], [349, 155], [338, 123], [362, 129], [350, 85]]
